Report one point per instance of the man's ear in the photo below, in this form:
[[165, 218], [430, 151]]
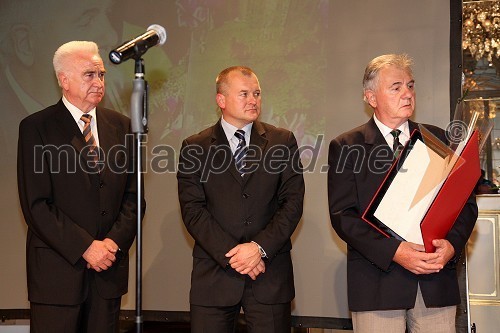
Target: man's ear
[[63, 81], [221, 101], [23, 44], [371, 98]]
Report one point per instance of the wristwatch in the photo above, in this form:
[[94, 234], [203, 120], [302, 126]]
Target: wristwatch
[[261, 250]]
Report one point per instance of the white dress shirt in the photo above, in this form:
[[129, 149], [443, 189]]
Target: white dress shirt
[[77, 114]]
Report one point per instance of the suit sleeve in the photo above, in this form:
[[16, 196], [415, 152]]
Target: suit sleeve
[[462, 229], [43, 217], [199, 222], [344, 184], [290, 194]]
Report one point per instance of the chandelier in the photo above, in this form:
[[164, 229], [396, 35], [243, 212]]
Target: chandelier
[[481, 29]]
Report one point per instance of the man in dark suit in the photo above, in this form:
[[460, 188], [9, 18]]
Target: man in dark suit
[[241, 212], [77, 189], [391, 284]]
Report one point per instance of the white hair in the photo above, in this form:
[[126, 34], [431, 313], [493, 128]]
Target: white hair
[[66, 51]]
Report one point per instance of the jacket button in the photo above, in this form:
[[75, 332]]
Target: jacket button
[[101, 184], [245, 195], [103, 212], [247, 222]]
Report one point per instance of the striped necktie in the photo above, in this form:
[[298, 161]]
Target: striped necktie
[[396, 146], [89, 138], [241, 151]]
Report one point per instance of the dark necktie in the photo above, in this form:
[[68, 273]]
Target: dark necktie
[[396, 146], [89, 138], [241, 151]]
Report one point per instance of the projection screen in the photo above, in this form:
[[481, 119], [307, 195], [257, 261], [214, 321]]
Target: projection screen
[[309, 56]]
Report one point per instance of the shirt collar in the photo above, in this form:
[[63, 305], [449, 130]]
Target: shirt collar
[[76, 112], [230, 129], [385, 130]]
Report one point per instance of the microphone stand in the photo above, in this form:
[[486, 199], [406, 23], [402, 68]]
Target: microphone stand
[[471, 326], [139, 121]]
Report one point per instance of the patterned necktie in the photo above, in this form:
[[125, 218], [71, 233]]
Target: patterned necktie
[[241, 151], [396, 146], [89, 138]]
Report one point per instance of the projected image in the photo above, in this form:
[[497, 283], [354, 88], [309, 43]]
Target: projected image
[[282, 41]]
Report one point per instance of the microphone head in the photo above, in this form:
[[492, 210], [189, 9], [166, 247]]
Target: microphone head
[[160, 31]]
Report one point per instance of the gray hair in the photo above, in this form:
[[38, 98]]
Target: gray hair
[[69, 49], [370, 79]]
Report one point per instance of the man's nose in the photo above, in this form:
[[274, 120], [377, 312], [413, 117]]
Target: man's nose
[[407, 93]]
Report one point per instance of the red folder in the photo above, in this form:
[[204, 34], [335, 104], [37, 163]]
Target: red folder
[[449, 201], [453, 195]]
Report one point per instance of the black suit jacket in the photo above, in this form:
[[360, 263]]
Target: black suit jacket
[[359, 160], [222, 209], [67, 206]]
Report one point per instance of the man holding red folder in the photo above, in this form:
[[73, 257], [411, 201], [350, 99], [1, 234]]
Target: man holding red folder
[[392, 284]]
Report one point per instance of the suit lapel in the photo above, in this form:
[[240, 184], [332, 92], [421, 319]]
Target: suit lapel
[[412, 126], [70, 132], [375, 140], [73, 134], [372, 134], [258, 144], [222, 155], [68, 127], [107, 136]]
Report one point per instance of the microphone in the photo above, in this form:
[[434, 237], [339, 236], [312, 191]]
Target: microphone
[[136, 47]]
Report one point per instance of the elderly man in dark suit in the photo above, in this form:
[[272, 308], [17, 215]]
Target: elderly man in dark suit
[[78, 194], [241, 211], [391, 284]]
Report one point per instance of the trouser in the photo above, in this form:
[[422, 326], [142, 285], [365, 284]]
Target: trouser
[[94, 315], [420, 319]]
